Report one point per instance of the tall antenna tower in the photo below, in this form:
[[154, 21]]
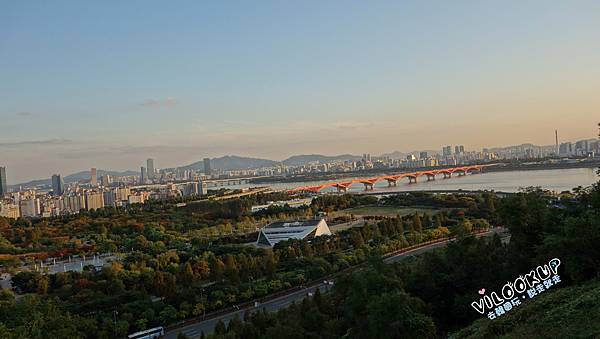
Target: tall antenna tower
[[556, 138]]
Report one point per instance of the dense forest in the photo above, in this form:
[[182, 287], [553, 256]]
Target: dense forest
[[429, 296], [171, 268], [177, 263]]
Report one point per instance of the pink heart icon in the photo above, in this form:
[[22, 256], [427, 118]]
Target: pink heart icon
[[481, 291]]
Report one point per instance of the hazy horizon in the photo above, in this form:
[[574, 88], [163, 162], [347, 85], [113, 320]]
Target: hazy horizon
[[142, 162], [90, 85]]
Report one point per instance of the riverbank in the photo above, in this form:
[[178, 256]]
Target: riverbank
[[496, 167]]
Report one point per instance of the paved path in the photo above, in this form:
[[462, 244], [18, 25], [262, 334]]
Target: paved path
[[207, 326], [74, 264]]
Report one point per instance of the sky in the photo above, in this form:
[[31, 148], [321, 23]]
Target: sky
[[108, 84]]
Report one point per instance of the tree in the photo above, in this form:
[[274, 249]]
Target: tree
[[199, 309], [269, 263], [217, 268], [203, 269], [462, 229], [318, 299], [417, 224], [188, 275], [397, 315], [32, 317], [427, 220], [357, 239], [307, 250], [42, 283], [231, 270], [220, 327], [168, 314], [235, 325], [438, 220]]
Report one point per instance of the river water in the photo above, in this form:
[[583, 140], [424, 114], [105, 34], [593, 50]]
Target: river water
[[557, 180]]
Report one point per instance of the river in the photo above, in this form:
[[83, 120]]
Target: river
[[557, 180]]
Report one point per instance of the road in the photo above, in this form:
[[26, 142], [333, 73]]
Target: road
[[207, 326], [195, 330], [421, 250]]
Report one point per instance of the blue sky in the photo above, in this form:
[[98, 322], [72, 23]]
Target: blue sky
[[108, 84]]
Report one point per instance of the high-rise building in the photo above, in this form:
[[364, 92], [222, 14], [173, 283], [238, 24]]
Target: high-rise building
[[143, 175], [566, 148], [9, 210], [93, 177], [94, 200], [459, 149], [582, 147], [201, 188], [123, 194], [30, 207], [105, 180], [58, 185], [150, 168], [3, 186], [423, 155], [207, 168], [447, 151], [110, 198]]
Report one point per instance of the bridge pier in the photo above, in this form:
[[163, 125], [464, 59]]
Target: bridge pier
[[461, 174], [412, 180], [342, 189], [430, 177], [368, 186], [447, 175], [392, 183]]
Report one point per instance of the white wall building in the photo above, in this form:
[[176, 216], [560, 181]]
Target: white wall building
[[280, 231]]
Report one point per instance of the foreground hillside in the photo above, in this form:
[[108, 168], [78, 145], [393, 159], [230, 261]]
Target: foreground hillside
[[572, 312]]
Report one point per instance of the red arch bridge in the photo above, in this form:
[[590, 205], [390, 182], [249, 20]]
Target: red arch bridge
[[369, 183]]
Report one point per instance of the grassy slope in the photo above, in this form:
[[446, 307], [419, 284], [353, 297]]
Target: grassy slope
[[572, 312]]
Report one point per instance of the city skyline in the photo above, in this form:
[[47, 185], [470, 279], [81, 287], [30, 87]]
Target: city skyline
[[444, 150], [215, 79]]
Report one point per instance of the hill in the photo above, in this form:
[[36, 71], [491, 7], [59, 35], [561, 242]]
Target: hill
[[232, 162], [572, 312], [75, 177], [85, 175]]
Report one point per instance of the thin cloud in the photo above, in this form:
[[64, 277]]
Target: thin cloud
[[46, 142], [156, 103], [352, 125], [24, 114]]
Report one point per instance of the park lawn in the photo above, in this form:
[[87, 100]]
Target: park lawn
[[386, 211]]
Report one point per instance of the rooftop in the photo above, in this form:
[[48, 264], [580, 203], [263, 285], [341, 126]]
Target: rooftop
[[302, 223]]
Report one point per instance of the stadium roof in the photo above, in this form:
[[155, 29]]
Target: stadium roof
[[285, 230]]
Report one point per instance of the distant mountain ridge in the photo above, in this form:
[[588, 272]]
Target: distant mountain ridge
[[402, 155], [229, 163], [234, 162], [304, 159], [76, 177]]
